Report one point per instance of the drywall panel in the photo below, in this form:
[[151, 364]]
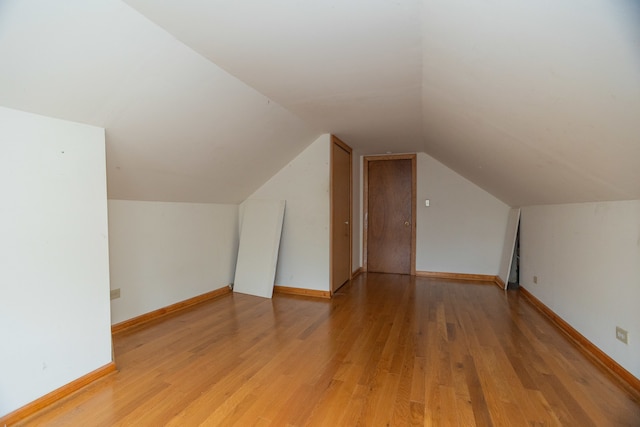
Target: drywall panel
[[510, 235], [54, 255], [304, 248], [462, 231], [163, 253], [586, 260], [259, 244]]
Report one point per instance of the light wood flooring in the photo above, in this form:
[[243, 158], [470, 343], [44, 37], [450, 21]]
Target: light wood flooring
[[386, 350]]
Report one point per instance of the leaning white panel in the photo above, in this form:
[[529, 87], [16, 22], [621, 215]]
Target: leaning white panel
[[509, 245], [259, 244]]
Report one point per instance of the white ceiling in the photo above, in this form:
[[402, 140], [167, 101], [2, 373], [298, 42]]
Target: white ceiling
[[178, 127], [535, 101]]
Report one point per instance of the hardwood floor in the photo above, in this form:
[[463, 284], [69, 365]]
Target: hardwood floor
[[386, 350]]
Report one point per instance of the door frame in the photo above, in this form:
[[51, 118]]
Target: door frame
[[365, 204], [336, 141]]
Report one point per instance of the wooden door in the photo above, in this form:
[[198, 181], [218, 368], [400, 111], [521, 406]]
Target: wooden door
[[340, 213], [390, 214]]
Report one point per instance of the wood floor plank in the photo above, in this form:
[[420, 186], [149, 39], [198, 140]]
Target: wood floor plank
[[419, 380], [402, 404], [330, 408], [385, 350]]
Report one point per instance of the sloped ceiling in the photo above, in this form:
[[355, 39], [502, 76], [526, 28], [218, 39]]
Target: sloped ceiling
[[535, 101], [178, 127], [353, 68]]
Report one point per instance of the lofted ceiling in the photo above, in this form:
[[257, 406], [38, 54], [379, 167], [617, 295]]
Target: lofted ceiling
[[535, 101]]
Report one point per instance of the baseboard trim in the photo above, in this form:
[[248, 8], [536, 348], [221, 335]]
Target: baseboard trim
[[484, 278], [56, 395], [155, 314], [499, 283], [586, 346], [357, 272], [302, 292]]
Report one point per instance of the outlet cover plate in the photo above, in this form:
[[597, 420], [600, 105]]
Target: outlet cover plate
[[621, 335]]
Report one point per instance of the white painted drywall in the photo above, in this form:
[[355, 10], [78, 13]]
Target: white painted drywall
[[462, 231], [587, 261], [259, 244], [304, 249], [54, 266], [177, 124], [163, 253]]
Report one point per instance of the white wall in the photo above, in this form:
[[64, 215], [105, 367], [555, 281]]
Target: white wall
[[587, 260], [163, 253], [464, 228], [303, 261], [54, 267]]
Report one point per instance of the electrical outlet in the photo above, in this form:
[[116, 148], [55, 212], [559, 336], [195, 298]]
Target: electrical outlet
[[535, 279], [621, 334], [115, 293]]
